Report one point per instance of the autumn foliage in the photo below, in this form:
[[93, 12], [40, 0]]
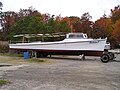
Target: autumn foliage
[[116, 32], [103, 28], [30, 21]]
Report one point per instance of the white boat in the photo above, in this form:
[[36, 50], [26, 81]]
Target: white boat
[[73, 44]]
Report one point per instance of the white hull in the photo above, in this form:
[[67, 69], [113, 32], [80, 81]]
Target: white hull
[[77, 45], [67, 45]]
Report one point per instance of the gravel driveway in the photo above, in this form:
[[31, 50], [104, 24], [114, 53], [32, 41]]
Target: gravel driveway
[[66, 73]]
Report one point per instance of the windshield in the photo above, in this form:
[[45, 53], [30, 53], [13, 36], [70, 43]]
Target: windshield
[[75, 36]]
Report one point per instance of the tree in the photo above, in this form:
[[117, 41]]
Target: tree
[[46, 17], [115, 14], [116, 32], [8, 20], [102, 28], [58, 20], [73, 23], [1, 5], [51, 25], [29, 12], [64, 27], [55, 25], [84, 25], [28, 25]]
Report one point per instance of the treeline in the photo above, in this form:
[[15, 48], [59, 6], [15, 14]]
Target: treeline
[[30, 21]]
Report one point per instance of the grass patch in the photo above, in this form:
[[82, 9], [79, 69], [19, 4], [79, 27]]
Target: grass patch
[[11, 55], [36, 60], [16, 59], [3, 82], [40, 61]]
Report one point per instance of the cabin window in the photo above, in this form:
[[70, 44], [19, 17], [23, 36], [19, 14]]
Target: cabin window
[[71, 36], [79, 36], [75, 36]]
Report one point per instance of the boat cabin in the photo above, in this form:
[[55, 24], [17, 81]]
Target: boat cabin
[[76, 36]]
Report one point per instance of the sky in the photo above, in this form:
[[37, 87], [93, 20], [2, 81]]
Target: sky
[[96, 8]]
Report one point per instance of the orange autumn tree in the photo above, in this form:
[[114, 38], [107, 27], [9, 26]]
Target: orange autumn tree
[[102, 28], [68, 21], [8, 19], [115, 17], [116, 32], [57, 23], [73, 21], [84, 24]]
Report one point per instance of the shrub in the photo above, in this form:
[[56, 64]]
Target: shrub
[[4, 48]]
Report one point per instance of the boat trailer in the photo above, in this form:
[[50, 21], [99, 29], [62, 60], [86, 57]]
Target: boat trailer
[[109, 55], [106, 56]]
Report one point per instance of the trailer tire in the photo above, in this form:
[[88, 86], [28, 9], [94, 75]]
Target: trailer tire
[[105, 58], [111, 55]]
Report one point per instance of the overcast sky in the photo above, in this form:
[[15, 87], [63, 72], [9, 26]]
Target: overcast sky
[[96, 8]]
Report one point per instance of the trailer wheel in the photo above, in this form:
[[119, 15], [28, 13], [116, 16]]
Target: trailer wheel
[[111, 55], [105, 58]]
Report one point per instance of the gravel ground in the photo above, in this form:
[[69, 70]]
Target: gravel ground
[[67, 73]]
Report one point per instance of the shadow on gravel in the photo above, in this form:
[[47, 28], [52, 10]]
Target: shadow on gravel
[[5, 65], [72, 58], [65, 58], [77, 58], [115, 61]]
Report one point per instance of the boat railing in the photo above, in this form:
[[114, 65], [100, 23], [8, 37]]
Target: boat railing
[[26, 38], [14, 42]]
